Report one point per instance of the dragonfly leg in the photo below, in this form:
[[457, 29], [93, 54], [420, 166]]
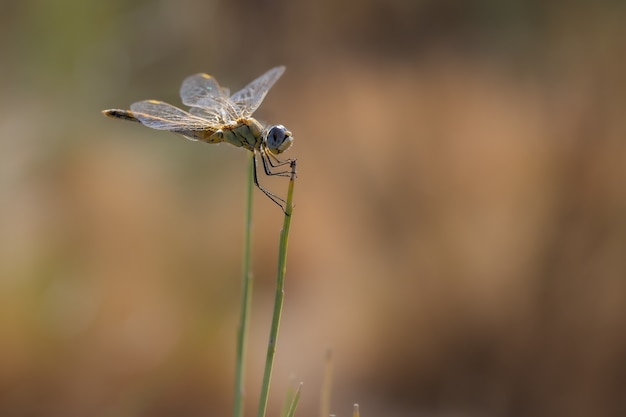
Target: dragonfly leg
[[276, 199], [279, 162], [268, 165]]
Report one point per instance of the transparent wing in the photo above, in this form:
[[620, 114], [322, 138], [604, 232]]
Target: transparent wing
[[223, 113], [208, 99], [248, 99], [201, 90], [162, 116]]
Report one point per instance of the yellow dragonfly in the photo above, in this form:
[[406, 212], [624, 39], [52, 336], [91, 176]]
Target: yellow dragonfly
[[215, 116]]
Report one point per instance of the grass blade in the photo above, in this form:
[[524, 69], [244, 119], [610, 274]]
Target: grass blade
[[246, 298], [327, 385], [279, 296], [294, 402]]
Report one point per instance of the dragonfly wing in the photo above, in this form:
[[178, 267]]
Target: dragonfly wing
[[201, 90], [207, 99], [162, 116], [225, 113], [250, 97]]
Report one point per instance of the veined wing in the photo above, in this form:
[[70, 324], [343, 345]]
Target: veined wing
[[222, 112], [202, 90], [162, 116], [250, 97], [208, 99]]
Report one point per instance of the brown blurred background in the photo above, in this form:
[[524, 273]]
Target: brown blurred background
[[459, 238]]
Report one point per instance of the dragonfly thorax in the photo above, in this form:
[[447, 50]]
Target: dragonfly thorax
[[246, 133], [278, 139]]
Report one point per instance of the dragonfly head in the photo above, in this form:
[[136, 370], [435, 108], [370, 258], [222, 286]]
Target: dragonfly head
[[278, 139]]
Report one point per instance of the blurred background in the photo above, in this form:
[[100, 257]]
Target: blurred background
[[459, 237]]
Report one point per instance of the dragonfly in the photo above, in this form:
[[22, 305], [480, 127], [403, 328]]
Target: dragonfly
[[215, 116]]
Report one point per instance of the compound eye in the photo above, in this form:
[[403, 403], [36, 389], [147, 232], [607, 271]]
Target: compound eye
[[279, 139]]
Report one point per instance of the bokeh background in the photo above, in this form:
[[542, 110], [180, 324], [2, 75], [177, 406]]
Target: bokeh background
[[459, 238]]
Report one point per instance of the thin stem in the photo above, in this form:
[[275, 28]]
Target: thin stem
[[327, 385], [291, 392], [246, 297], [279, 296], [294, 403]]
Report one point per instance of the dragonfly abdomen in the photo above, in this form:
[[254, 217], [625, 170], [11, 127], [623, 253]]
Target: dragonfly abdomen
[[120, 114]]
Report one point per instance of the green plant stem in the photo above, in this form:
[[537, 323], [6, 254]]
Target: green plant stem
[[279, 297], [327, 385], [246, 298], [294, 402]]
